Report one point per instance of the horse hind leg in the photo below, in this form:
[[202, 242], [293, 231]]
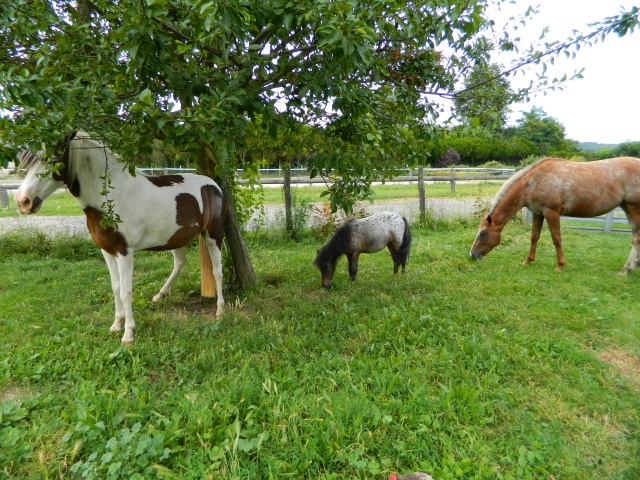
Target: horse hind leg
[[633, 261], [179, 261], [216, 261], [396, 258]]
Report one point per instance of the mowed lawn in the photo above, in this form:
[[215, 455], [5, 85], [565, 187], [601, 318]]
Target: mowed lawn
[[459, 369]]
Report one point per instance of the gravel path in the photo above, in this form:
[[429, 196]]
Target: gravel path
[[76, 225]]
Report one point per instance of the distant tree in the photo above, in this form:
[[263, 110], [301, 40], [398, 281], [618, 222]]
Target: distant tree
[[628, 149], [545, 133], [486, 97]]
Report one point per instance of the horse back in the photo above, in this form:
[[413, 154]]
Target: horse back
[[582, 189], [175, 210]]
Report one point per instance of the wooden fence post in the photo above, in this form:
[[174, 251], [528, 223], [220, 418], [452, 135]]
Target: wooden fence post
[[608, 221], [4, 198], [421, 195]]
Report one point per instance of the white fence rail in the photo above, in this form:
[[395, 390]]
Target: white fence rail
[[602, 223]]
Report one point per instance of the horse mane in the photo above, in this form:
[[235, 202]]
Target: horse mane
[[28, 159], [510, 182], [336, 246]]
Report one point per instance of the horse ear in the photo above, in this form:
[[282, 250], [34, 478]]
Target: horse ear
[[489, 219]]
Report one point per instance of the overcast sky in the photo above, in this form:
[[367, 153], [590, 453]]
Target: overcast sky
[[604, 106]]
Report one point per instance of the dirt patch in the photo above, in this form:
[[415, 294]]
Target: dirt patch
[[15, 394], [626, 363], [199, 306]]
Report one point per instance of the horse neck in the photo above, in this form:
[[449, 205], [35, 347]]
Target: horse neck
[[338, 245], [512, 201], [89, 163]]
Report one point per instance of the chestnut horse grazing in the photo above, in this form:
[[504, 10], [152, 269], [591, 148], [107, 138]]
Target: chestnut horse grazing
[[367, 235], [553, 187], [153, 213]]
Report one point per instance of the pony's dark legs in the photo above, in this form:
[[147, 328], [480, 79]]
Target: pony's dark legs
[[536, 228], [353, 265], [397, 261]]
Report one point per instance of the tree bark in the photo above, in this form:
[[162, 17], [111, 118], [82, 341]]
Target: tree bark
[[288, 204], [245, 274]]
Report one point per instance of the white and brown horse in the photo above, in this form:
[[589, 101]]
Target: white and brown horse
[[153, 213], [367, 235], [553, 187]]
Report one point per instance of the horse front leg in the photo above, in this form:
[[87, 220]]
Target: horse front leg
[[179, 261], [353, 265], [536, 228], [553, 220], [114, 273], [125, 267]]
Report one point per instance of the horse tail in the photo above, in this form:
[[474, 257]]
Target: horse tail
[[405, 247]]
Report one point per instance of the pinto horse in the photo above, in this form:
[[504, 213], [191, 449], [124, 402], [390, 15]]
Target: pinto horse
[[153, 213], [553, 187], [368, 235]]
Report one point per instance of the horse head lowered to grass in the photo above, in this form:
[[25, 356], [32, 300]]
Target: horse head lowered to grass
[[152, 212], [553, 187], [367, 235]]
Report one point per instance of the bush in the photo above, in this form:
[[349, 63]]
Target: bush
[[449, 159]]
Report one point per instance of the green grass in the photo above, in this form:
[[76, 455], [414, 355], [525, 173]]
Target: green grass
[[461, 369], [61, 203]]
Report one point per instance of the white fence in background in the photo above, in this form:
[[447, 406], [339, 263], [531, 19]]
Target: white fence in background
[[602, 223]]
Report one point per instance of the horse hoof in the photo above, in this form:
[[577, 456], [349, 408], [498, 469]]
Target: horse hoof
[[158, 297], [127, 344], [623, 273]]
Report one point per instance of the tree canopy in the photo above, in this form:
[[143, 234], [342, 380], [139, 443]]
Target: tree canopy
[[193, 72]]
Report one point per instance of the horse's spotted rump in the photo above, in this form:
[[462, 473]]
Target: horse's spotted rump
[[108, 239], [165, 180]]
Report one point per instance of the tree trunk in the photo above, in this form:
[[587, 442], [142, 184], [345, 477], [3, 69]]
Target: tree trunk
[[288, 204], [241, 262], [245, 275], [423, 206]]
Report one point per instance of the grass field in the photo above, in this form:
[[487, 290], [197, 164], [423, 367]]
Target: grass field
[[460, 369]]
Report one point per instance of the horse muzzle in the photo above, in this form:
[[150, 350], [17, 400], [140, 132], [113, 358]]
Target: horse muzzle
[[27, 206], [475, 256]]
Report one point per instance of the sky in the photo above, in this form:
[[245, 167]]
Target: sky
[[604, 106]]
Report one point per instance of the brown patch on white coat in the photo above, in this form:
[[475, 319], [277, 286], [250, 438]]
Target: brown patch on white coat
[[554, 187]]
